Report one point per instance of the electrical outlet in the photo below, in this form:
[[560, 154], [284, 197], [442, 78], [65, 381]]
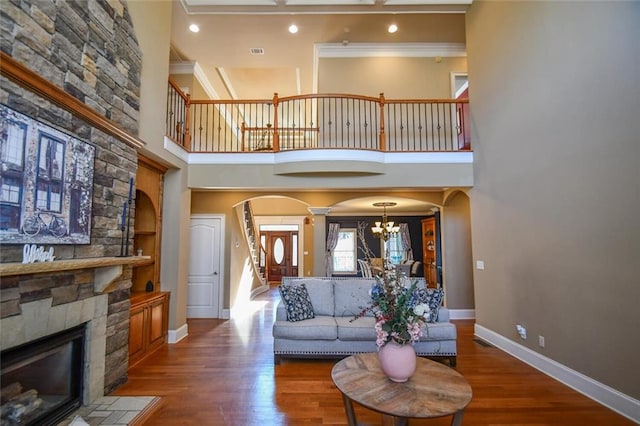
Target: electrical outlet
[[521, 331], [480, 264], [541, 341]]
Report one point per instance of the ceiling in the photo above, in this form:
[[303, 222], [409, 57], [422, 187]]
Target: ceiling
[[364, 205], [289, 65]]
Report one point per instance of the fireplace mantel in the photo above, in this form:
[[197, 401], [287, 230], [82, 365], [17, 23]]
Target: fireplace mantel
[[107, 269]]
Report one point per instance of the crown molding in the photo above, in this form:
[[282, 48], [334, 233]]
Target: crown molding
[[325, 7], [406, 50], [192, 67]]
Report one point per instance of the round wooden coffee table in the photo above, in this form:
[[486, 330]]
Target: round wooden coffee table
[[434, 390]]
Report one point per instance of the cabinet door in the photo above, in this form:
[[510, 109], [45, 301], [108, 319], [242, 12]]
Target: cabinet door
[[137, 339], [429, 251], [157, 318]]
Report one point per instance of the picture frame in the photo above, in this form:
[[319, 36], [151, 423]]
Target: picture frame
[[46, 183]]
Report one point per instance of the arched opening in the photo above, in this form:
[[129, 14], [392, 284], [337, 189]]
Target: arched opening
[[457, 255], [145, 243]]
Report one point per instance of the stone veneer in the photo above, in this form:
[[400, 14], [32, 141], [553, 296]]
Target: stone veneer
[[38, 319], [88, 49]]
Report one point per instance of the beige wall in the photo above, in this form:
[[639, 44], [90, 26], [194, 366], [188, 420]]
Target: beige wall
[[397, 78], [191, 83], [400, 175], [456, 250], [152, 24], [554, 103]]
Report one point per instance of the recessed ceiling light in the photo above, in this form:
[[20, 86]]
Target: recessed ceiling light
[[293, 28], [392, 28], [194, 28]]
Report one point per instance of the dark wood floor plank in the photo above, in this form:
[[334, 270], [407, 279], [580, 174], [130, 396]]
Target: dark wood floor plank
[[223, 374]]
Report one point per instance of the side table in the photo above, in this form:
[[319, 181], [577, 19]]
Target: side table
[[434, 390]]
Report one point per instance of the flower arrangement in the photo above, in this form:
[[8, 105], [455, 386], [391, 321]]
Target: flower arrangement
[[399, 312]]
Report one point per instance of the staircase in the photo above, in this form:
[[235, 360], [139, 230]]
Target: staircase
[[252, 236]]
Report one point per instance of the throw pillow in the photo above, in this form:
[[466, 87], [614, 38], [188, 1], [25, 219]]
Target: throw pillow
[[321, 294], [432, 297], [297, 302]]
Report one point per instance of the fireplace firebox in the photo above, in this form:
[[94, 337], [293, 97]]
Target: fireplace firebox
[[42, 381]]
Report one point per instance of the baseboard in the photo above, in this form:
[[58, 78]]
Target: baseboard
[[226, 314], [603, 394], [462, 314], [176, 335]]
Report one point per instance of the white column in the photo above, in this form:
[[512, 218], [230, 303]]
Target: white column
[[319, 240]]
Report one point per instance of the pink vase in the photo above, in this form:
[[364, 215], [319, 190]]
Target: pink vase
[[397, 361]]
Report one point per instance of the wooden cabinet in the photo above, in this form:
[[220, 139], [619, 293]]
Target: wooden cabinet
[[148, 324], [429, 251], [149, 314], [148, 223]]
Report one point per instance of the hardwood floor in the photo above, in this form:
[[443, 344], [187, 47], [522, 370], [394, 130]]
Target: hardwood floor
[[223, 374]]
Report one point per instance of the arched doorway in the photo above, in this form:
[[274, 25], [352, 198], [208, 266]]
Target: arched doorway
[[457, 255]]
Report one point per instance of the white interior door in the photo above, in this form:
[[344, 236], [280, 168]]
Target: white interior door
[[203, 292]]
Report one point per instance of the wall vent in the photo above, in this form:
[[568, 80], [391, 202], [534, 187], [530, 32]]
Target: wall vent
[[257, 51]]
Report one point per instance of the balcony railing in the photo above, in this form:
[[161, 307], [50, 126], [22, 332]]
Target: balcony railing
[[318, 121]]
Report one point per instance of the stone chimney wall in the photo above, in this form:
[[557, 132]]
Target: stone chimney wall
[[88, 49]]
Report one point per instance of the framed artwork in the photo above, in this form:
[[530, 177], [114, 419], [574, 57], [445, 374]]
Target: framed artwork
[[46, 183]]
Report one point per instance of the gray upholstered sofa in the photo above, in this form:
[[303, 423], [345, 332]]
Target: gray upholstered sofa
[[332, 333]]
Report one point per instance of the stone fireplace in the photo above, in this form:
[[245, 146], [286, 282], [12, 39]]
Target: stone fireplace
[[39, 319], [92, 293], [42, 381], [76, 68]]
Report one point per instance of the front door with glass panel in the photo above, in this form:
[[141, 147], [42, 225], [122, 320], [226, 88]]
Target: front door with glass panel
[[281, 254]]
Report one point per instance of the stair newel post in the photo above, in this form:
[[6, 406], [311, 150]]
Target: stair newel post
[[276, 135], [383, 144], [187, 119]]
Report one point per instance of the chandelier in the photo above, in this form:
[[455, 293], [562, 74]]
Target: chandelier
[[384, 229]]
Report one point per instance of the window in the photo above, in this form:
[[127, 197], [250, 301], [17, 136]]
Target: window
[[395, 248], [12, 144], [345, 253], [49, 180], [10, 190]]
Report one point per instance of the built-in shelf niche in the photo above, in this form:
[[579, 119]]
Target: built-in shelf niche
[[148, 224]]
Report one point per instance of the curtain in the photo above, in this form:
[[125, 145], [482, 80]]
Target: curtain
[[406, 241], [332, 242]]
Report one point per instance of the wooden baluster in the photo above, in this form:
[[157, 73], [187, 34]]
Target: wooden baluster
[[186, 143], [242, 130], [276, 135], [383, 144]]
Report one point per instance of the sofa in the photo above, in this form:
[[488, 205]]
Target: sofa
[[333, 331]]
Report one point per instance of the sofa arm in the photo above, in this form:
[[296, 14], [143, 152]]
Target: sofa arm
[[281, 312], [443, 315]]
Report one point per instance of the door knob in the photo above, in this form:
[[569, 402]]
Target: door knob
[[215, 273]]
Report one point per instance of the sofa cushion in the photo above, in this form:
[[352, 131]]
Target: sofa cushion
[[433, 297], [297, 302], [351, 297], [439, 331], [358, 329], [321, 294], [318, 328]]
